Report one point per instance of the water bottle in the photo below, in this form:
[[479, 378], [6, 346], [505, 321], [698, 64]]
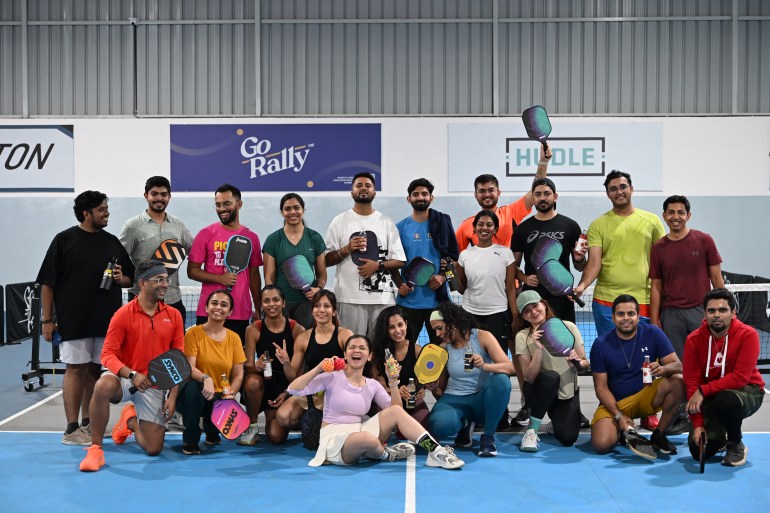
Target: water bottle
[[268, 373], [390, 365], [226, 392], [646, 372], [582, 241], [106, 283], [412, 394], [468, 359], [451, 276]]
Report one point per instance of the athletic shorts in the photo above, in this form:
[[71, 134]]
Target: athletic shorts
[[635, 406], [149, 404], [333, 437], [81, 350]]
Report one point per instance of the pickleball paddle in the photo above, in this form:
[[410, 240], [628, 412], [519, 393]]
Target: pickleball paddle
[[537, 124], [298, 273], [431, 363], [167, 370], [230, 418], [372, 251], [545, 249], [237, 255], [171, 254], [418, 271], [558, 340], [558, 280]]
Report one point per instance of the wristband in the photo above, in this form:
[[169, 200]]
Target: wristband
[[617, 417]]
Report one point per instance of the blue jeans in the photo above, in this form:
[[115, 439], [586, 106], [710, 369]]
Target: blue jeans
[[485, 406]]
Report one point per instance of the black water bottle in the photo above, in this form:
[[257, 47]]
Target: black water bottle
[[451, 276], [106, 283]]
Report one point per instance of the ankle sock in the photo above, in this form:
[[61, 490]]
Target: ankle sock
[[86, 421], [71, 428], [427, 442], [534, 423]]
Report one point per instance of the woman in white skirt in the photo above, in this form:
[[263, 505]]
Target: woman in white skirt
[[345, 437]]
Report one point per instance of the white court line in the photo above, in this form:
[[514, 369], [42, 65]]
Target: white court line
[[410, 495], [22, 412]]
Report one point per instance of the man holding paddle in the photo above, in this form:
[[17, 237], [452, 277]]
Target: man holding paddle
[[724, 385], [365, 246], [429, 234], [142, 235], [206, 263], [617, 362], [71, 276], [139, 331]]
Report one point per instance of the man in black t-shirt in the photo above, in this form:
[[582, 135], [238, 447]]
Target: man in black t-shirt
[[547, 223], [75, 304]]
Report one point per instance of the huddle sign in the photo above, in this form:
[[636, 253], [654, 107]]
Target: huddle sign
[[302, 157], [583, 154]]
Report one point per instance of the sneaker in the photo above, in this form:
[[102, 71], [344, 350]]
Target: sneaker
[[464, 437], [661, 443], [78, 437], [504, 423], [650, 423], [175, 421], [400, 451], [213, 439], [250, 436], [94, 459], [639, 445], [679, 425], [121, 432], [529, 443], [444, 456], [191, 449], [522, 417], [736, 454], [487, 446], [584, 422]]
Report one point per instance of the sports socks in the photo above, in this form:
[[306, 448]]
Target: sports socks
[[427, 442], [534, 423]]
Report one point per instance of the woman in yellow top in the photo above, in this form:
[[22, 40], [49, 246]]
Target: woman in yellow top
[[212, 351]]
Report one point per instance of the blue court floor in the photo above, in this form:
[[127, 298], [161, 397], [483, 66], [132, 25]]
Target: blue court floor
[[42, 475]]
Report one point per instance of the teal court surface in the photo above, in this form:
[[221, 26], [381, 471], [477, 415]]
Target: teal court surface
[[41, 474]]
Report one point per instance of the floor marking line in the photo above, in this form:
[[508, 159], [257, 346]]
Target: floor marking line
[[410, 495], [25, 410]]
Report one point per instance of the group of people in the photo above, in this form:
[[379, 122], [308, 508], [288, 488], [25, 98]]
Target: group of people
[[704, 385]]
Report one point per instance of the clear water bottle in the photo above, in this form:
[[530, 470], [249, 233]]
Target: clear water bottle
[[646, 372], [226, 391], [410, 403], [268, 373], [468, 359]]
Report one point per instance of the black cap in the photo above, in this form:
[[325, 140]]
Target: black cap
[[544, 181]]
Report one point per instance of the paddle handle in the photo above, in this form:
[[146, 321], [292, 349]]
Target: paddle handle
[[576, 299]]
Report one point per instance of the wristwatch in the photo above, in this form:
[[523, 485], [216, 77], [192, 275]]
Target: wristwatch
[[131, 375], [203, 379], [381, 266], [617, 417]]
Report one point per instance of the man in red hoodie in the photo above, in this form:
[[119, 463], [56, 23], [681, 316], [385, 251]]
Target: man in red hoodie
[[723, 383]]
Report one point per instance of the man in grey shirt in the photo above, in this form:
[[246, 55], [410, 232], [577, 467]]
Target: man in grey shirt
[[141, 235]]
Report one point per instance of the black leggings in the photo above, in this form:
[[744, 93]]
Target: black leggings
[[727, 408], [543, 397]]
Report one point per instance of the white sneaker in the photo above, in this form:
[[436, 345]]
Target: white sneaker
[[400, 451], [250, 436], [529, 441], [444, 457]]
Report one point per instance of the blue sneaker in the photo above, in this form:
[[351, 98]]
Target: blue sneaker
[[488, 447]]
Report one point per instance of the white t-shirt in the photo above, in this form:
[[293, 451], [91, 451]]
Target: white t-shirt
[[349, 287], [485, 272]]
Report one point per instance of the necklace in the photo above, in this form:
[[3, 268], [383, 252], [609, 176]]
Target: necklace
[[628, 360]]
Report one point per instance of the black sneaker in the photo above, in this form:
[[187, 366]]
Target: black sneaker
[[584, 422], [522, 417], [504, 423], [681, 424], [191, 449], [213, 439], [464, 437], [661, 443], [639, 445], [736, 454]]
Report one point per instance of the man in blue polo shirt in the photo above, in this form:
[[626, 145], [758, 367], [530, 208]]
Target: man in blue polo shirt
[[617, 359]]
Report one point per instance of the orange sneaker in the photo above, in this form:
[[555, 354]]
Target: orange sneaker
[[94, 459], [121, 431]]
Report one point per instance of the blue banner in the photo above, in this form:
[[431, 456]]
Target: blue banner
[[277, 158]]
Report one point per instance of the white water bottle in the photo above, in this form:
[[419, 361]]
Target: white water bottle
[[268, 373]]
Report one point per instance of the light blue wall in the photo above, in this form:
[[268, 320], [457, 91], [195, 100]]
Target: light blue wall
[[738, 224]]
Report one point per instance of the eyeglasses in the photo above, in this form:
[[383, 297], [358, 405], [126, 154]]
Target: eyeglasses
[[161, 281], [622, 188]]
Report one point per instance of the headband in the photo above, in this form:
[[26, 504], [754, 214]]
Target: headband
[[153, 271], [435, 315]]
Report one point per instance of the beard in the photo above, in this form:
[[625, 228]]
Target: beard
[[363, 201], [421, 206], [545, 207]]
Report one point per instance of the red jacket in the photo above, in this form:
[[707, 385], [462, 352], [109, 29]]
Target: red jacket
[[134, 338], [740, 362]]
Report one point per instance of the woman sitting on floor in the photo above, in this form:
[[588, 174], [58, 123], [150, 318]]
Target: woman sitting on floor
[[345, 436]]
